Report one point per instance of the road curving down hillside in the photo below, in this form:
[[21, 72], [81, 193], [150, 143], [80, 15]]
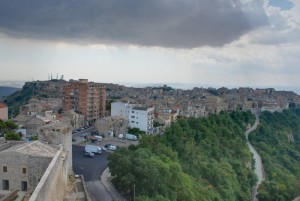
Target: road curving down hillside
[[258, 168]]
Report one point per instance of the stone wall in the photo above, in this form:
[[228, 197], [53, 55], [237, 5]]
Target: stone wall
[[54, 181], [56, 134]]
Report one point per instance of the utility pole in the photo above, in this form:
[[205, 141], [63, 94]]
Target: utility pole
[[133, 192]]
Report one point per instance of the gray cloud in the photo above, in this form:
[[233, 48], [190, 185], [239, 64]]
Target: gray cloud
[[166, 23]]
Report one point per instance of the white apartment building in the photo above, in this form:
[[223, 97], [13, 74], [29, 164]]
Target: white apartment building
[[138, 117], [121, 109], [142, 118]]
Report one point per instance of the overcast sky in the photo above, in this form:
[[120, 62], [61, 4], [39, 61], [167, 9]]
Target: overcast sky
[[215, 43]]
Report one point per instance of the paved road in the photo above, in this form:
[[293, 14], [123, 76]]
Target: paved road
[[87, 131], [91, 169], [258, 163]]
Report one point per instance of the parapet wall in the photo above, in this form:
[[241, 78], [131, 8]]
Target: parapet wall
[[54, 181]]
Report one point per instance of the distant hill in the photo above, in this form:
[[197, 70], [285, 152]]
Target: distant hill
[[37, 89], [6, 91]]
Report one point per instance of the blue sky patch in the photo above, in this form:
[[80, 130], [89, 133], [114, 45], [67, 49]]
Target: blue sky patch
[[282, 4]]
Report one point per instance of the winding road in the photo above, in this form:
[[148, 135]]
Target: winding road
[[258, 168]]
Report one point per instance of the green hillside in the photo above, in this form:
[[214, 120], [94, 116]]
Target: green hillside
[[38, 89], [277, 140], [197, 159]]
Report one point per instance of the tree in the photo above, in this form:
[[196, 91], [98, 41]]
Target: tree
[[196, 159], [10, 135]]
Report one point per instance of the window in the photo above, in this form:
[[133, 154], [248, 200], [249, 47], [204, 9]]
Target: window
[[4, 168], [5, 184], [132, 121], [132, 116], [24, 170], [23, 185], [132, 112]]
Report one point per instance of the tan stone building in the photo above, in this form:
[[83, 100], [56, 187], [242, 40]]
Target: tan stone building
[[113, 124], [30, 123], [23, 165], [86, 98]]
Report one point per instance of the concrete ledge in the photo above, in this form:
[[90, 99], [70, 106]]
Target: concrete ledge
[[88, 198], [109, 187], [46, 176]]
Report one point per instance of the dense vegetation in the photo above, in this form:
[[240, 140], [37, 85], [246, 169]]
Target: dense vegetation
[[277, 140], [196, 159], [8, 128]]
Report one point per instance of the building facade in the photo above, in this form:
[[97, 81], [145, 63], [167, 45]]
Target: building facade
[[23, 165], [3, 112], [121, 109], [113, 125], [86, 98], [142, 118]]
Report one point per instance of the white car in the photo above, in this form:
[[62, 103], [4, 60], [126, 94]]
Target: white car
[[112, 147]]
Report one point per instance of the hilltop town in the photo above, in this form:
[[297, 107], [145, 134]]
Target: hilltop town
[[37, 97], [53, 110]]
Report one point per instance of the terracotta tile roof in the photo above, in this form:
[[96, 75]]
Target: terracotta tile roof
[[2, 105]]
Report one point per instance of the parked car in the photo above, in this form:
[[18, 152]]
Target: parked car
[[82, 135], [99, 138], [107, 145], [112, 147], [130, 137], [89, 154]]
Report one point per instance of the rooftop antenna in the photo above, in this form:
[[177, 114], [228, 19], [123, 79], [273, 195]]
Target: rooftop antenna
[[51, 76]]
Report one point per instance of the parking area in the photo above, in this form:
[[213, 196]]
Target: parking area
[[92, 168], [114, 141]]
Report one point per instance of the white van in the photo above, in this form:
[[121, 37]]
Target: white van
[[93, 149]]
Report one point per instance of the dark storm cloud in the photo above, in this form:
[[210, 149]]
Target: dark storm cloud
[[166, 23]]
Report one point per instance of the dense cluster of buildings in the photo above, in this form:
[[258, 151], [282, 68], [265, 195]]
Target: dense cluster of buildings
[[112, 109]]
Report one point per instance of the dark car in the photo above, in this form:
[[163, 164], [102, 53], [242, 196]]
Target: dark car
[[107, 145]]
